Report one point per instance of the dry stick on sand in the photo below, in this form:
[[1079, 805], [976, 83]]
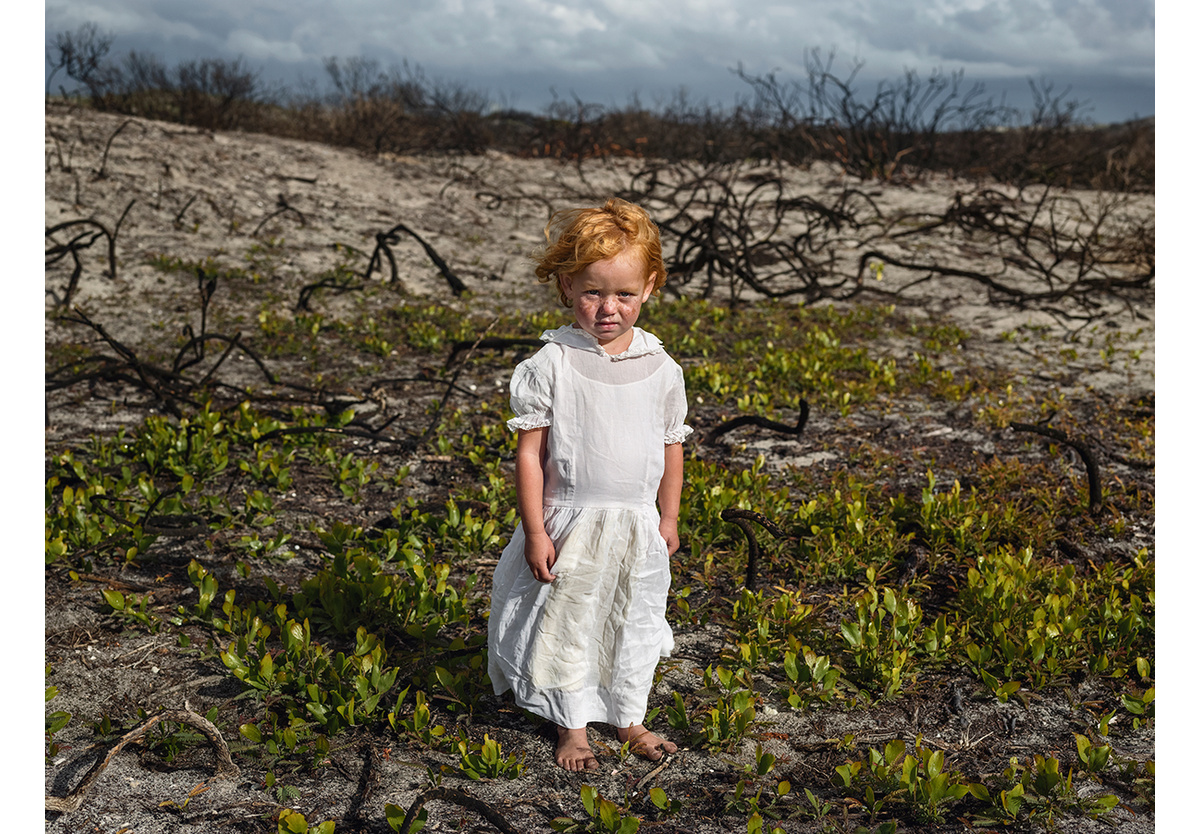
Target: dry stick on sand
[[282, 206], [178, 222], [437, 413], [168, 386], [494, 343], [111, 237], [385, 240], [745, 519], [56, 253], [459, 798], [102, 173], [1095, 497], [226, 769], [761, 422]]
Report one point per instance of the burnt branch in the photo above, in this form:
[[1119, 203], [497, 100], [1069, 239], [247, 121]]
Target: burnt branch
[[282, 207], [72, 247], [459, 798], [496, 343], [165, 386], [746, 519], [405, 443], [57, 251], [101, 174], [762, 422], [1095, 497], [338, 284], [384, 241], [437, 412], [178, 221], [168, 386], [226, 769], [737, 228]]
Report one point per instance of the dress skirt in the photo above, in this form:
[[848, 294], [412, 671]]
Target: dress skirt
[[583, 647]]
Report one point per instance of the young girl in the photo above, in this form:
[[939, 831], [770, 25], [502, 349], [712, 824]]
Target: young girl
[[577, 622]]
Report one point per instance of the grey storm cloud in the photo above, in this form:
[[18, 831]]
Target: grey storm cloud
[[619, 47]]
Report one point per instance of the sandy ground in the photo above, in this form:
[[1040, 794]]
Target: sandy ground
[[196, 195]]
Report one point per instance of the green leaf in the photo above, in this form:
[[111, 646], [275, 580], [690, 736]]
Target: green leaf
[[587, 795], [292, 822]]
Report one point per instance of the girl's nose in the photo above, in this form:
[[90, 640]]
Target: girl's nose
[[608, 305]]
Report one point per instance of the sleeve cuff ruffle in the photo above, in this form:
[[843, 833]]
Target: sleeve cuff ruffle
[[677, 435], [528, 422]]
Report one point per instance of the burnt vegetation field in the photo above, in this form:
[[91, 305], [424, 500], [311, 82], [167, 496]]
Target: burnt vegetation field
[[916, 584]]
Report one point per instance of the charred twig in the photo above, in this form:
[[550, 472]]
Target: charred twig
[[762, 422], [175, 526], [338, 285], [745, 519], [282, 207], [496, 343], [459, 798], [385, 240], [726, 233], [162, 384], [226, 769], [206, 283], [169, 387], [112, 242], [72, 247], [1095, 498], [178, 221], [101, 174], [56, 252], [437, 412], [406, 443]]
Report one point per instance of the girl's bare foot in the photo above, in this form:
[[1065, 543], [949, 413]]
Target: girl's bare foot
[[645, 743], [573, 751]]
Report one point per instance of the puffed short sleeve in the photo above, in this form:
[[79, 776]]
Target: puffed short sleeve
[[675, 404], [530, 396]]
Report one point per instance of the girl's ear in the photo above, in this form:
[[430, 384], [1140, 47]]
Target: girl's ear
[[564, 283], [649, 291]]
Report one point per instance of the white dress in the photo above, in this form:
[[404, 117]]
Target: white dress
[[584, 647]]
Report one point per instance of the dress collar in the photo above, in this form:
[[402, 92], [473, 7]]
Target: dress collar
[[643, 343]]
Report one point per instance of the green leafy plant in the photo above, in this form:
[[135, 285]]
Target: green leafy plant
[[293, 822], [667, 807], [419, 726], [486, 760], [724, 713], [55, 721], [881, 640], [920, 779], [603, 815], [131, 608]]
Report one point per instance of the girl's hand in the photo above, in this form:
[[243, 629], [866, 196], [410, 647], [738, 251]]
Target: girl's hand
[[669, 530], [540, 556]]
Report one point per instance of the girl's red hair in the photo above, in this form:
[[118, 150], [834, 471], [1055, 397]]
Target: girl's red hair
[[579, 237]]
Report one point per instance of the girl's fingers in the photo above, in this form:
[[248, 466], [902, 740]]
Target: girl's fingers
[[540, 562]]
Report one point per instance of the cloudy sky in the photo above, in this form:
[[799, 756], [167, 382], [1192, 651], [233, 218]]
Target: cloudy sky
[[522, 53]]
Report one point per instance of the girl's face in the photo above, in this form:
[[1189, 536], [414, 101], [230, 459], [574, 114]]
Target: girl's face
[[607, 297]]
